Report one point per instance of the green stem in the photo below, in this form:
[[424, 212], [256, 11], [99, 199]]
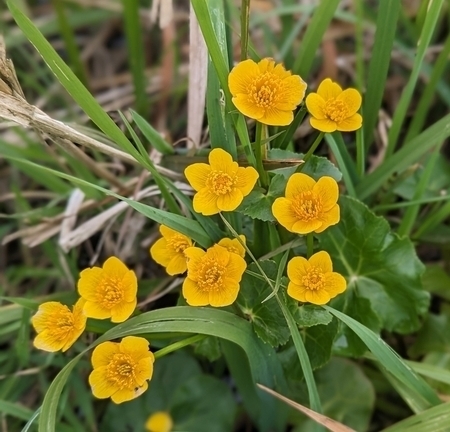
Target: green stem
[[360, 153], [245, 12], [178, 345], [309, 245], [261, 134], [311, 150]]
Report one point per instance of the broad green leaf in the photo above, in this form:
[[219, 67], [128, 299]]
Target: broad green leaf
[[267, 318], [378, 265], [309, 315], [437, 281], [433, 336], [319, 342], [209, 348], [347, 394]]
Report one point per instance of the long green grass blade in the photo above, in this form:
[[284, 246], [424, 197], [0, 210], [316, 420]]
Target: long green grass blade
[[388, 358]]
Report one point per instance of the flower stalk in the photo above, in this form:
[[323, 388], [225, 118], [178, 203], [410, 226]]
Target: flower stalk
[[179, 345], [311, 151]]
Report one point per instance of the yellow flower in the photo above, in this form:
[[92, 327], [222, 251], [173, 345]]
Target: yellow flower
[[110, 292], [314, 280], [168, 251], [332, 109], [266, 92], [309, 205], [121, 370], [221, 185], [213, 276], [159, 421], [233, 245], [57, 326]]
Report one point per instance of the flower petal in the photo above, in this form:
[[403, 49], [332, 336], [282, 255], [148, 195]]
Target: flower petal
[[276, 117], [297, 268], [193, 295], [236, 267], [177, 265], [246, 179], [318, 297], [352, 100], [283, 213], [95, 310], [137, 347], [242, 76], [329, 89], [322, 260], [123, 310], [323, 125], [247, 106], [328, 191], [293, 92], [306, 227], [219, 254], [230, 201], [88, 282], [100, 386], [297, 292], [299, 183], [331, 217], [197, 174], [103, 353], [334, 284], [40, 319], [160, 253], [205, 202], [126, 395], [316, 104], [47, 341], [350, 124], [144, 370], [129, 286], [72, 337], [114, 267], [220, 160], [226, 295], [266, 65], [233, 245]]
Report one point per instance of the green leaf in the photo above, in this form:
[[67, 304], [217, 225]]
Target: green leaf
[[319, 342], [433, 336], [437, 281], [209, 348], [378, 265], [309, 315], [267, 318]]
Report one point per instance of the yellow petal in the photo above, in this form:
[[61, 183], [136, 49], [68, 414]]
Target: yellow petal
[[219, 254], [72, 338], [306, 227], [167, 232], [329, 89], [352, 100], [292, 92], [299, 183], [144, 370], [193, 295], [334, 284], [350, 124], [129, 285], [318, 297], [126, 395], [246, 105], [331, 217], [137, 347], [276, 117], [160, 253], [327, 189], [79, 317], [241, 77], [225, 296], [220, 160], [95, 310], [197, 174], [47, 341], [89, 280], [100, 386], [297, 268], [281, 72], [159, 421], [40, 319], [122, 311], [103, 354], [114, 267], [283, 213], [177, 265], [205, 202], [236, 267], [266, 65], [233, 245], [230, 201], [316, 104], [323, 125], [322, 260], [297, 292], [246, 179]]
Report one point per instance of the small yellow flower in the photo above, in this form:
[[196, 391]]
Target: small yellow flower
[[309, 205], [221, 185], [233, 245], [168, 251], [332, 108], [110, 292], [213, 276], [266, 92], [313, 280], [159, 421], [121, 370], [57, 326]]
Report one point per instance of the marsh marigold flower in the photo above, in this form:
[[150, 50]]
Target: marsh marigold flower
[[309, 206], [265, 91], [121, 370], [213, 276], [221, 185], [57, 326], [168, 251], [234, 245], [332, 108], [110, 291], [159, 421], [314, 280]]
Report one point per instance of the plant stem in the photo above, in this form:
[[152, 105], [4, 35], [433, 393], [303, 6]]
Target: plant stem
[[311, 150], [261, 134], [245, 12], [309, 245], [178, 345]]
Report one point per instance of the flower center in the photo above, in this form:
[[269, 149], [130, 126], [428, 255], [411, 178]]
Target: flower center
[[210, 276], [220, 183], [265, 90], [313, 280], [62, 324], [110, 292], [120, 371], [336, 110], [307, 206], [177, 243]]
